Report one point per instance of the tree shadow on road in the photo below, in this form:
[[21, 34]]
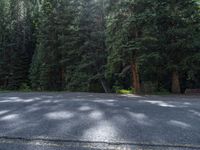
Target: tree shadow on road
[[98, 117]]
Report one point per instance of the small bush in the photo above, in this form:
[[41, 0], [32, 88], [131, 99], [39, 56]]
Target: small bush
[[25, 88]]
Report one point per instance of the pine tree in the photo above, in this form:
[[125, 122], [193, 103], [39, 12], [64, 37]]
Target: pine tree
[[90, 53], [55, 41], [42, 66], [92, 41], [15, 61], [3, 43], [178, 28], [126, 29], [67, 28]]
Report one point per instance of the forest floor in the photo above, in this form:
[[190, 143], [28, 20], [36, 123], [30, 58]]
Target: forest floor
[[82, 121]]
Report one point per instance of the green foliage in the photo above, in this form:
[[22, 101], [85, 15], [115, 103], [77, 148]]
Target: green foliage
[[16, 43], [87, 58], [159, 36], [127, 35], [89, 45], [25, 88]]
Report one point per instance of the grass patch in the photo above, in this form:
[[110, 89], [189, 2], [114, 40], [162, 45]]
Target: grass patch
[[123, 91]]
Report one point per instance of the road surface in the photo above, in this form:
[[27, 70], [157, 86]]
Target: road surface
[[58, 121]]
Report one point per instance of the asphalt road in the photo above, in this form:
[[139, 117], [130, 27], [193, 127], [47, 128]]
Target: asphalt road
[[82, 121]]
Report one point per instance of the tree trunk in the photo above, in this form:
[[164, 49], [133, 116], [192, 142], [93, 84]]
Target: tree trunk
[[104, 85], [135, 77], [175, 82]]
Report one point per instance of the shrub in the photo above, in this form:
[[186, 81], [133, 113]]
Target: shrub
[[24, 87]]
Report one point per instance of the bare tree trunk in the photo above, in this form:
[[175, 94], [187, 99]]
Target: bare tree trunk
[[136, 78], [104, 85], [175, 82]]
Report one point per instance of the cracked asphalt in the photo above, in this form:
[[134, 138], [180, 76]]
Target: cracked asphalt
[[82, 121]]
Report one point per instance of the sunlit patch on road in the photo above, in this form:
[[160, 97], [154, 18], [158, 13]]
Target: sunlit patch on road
[[60, 115]]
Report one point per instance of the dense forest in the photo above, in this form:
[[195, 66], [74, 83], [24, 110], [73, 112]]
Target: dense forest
[[100, 45]]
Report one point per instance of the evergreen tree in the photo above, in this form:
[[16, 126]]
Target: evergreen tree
[[126, 34], [55, 41], [3, 43], [88, 72], [15, 52], [43, 66], [67, 26], [177, 30]]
